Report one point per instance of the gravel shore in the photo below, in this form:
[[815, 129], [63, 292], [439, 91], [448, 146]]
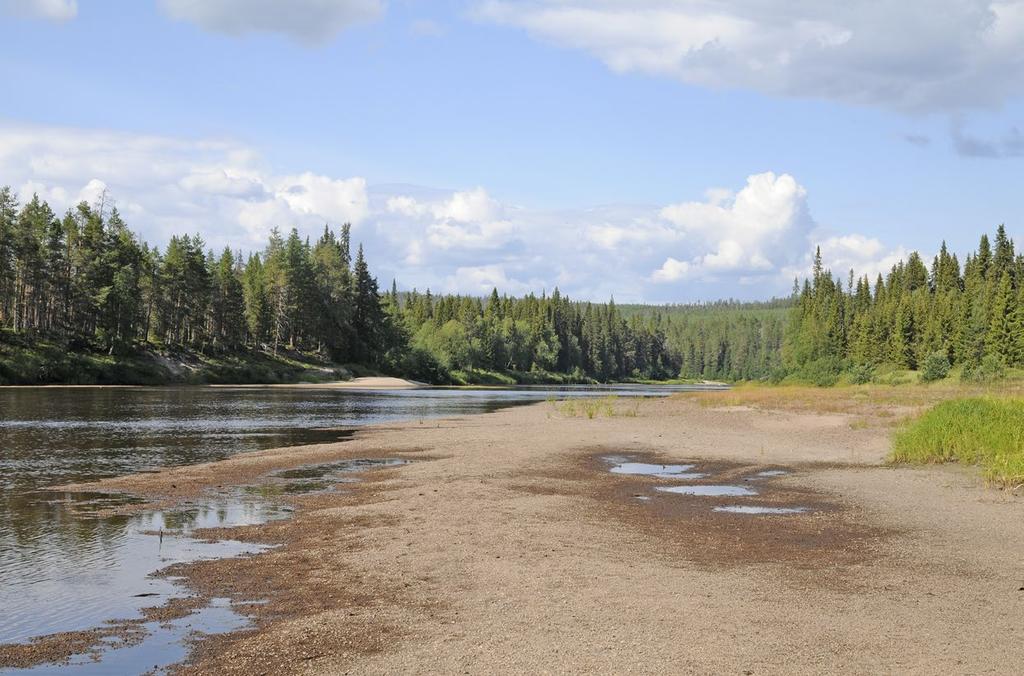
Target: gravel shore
[[506, 545]]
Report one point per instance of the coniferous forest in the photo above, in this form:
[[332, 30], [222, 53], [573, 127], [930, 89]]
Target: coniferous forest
[[85, 283], [919, 317]]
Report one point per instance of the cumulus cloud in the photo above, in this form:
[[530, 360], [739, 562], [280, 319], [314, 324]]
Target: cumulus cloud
[[940, 55], [308, 21], [465, 220], [864, 255], [171, 185], [760, 228], [51, 10], [746, 242], [671, 270], [481, 279]]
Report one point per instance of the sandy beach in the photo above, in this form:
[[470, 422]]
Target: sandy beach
[[365, 383], [506, 545]]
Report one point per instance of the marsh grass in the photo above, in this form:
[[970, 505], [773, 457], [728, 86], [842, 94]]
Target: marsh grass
[[983, 431], [610, 406]]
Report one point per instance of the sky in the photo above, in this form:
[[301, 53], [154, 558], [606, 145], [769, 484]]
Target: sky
[[650, 150]]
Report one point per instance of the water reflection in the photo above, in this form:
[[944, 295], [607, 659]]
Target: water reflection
[[93, 569]]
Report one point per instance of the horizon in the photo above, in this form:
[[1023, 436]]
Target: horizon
[[530, 145]]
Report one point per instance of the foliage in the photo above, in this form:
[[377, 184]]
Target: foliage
[[862, 374], [991, 369], [915, 317], [935, 367], [85, 282], [978, 431]]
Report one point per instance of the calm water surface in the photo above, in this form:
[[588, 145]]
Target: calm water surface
[[63, 568]]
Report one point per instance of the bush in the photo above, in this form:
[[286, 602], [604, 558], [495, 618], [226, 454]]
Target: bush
[[862, 374], [991, 369], [935, 367], [419, 364], [822, 372]]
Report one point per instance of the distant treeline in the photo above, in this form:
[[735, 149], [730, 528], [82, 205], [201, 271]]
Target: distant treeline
[[915, 317], [86, 280]]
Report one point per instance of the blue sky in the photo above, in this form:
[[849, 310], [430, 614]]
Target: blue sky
[[658, 150]]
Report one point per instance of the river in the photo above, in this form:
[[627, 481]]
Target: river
[[63, 568]]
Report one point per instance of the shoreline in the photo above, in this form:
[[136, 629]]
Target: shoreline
[[506, 544]]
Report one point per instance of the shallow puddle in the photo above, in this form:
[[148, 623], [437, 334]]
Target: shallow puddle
[[317, 478], [654, 470], [771, 473], [709, 491], [330, 470], [748, 509]]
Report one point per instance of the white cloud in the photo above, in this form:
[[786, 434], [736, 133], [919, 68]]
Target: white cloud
[[946, 54], [748, 242], [170, 186], [51, 10], [309, 21], [332, 199], [864, 255], [465, 220], [761, 228], [672, 270], [481, 279]]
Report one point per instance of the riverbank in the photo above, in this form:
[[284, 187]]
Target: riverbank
[[41, 362], [506, 545]]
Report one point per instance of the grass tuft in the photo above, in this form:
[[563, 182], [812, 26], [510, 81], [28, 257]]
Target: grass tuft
[[982, 431]]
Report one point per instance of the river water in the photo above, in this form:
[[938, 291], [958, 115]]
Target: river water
[[63, 568]]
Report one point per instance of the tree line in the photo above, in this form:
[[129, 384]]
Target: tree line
[[915, 316], [87, 279]]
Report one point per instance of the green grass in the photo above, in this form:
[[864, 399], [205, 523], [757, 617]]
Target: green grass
[[609, 406], [982, 431]]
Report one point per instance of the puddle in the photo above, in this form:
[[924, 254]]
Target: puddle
[[329, 470], [650, 469], [748, 509], [165, 644], [712, 491], [317, 478], [771, 473], [282, 488]]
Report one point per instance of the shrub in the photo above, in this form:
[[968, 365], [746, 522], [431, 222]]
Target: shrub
[[935, 367], [822, 372], [862, 374], [991, 369]]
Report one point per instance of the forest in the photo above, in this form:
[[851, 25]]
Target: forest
[[927, 319], [84, 283]]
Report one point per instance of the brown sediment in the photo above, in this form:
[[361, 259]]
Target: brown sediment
[[506, 545]]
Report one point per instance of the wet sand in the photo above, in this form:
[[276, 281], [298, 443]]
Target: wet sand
[[506, 545]]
